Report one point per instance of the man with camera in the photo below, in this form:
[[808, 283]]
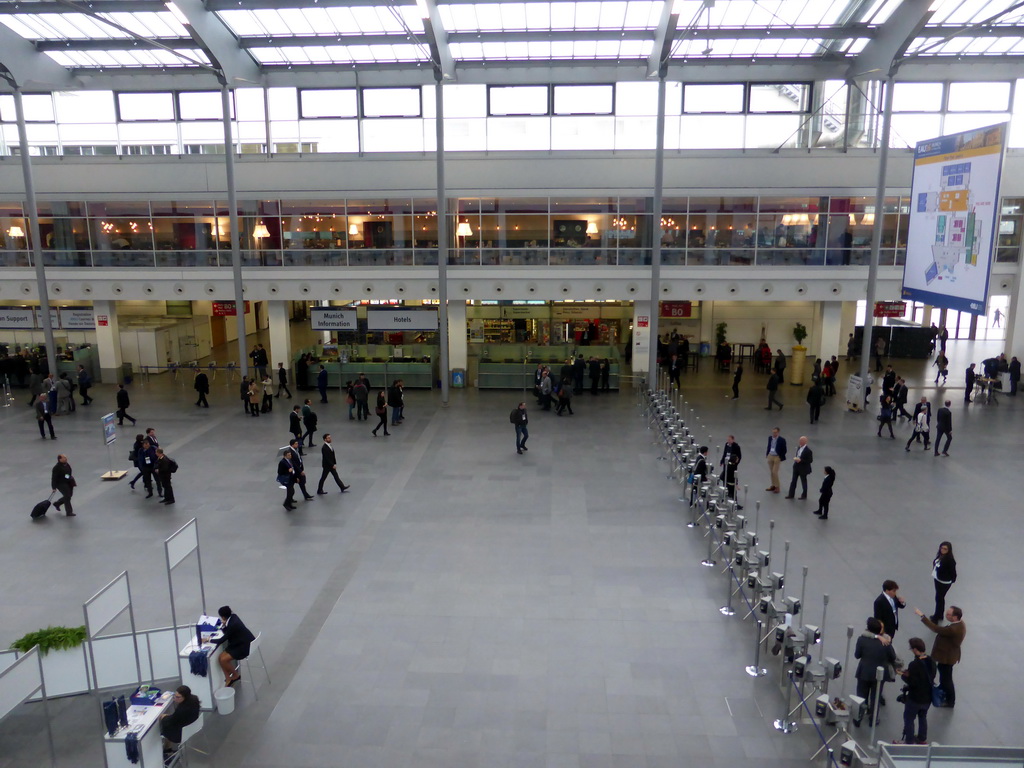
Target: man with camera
[[917, 694], [946, 649]]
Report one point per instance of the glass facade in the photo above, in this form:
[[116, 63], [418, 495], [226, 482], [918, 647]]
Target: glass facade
[[763, 231]]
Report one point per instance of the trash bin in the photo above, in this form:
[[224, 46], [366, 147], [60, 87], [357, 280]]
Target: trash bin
[[225, 700], [126, 373], [458, 378], [705, 348]]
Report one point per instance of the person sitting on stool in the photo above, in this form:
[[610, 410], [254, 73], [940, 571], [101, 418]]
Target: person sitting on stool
[[237, 639], [186, 712]]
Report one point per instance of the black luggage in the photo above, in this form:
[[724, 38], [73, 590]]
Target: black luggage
[[40, 509]]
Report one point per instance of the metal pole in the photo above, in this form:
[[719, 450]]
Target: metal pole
[[784, 724], [876, 235], [846, 663], [442, 242], [756, 670], [879, 680], [236, 251], [824, 615], [659, 187], [33, 230]]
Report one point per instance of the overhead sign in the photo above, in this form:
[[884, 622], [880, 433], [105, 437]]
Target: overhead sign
[[890, 309], [76, 319], [401, 320], [21, 319], [953, 218], [328, 319], [227, 309], [676, 309], [54, 318]]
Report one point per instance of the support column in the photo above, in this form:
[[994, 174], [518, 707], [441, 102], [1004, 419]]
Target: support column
[[831, 340], [458, 344], [876, 235], [33, 231], [1015, 318], [848, 324], [641, 341], [443, 333], [659, 185], [236, 253], [707, 326], [108, 341], [280, 334]]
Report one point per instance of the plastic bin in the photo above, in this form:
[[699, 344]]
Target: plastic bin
[[225, 700], [705, 348], [126, 373], [458, 378]]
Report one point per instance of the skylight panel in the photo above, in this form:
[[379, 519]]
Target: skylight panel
[[243, 23], [563, 15], [561, 49], [880, 12], [611, 15], [966, 11], [538, 16], [342, 21], [584, 49], [466, 51], [149, 24], [20, 26], [642, 15], [517, 50], [295, 21], [539, 50], [513, 16]]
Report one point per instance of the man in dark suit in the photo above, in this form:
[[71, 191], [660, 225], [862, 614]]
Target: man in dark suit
[[300, 469], [202, 386], [282, 381], [731, 458], [286, 477], [295, 424], [674, 368], [815, 399], [321, 383], [775, 454], [801, 467], [944, 426], [329, 462], [309, 420], [874, 650], [44, 415], [887, 607], [969, 376]]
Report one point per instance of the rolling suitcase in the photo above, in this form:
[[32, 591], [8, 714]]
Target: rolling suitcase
[[40, 509]]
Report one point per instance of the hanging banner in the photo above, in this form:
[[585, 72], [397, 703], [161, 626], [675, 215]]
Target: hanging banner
[[889, 309], [401, 320], [226, 308], [329, 319], [77, 319], [20, 319], [954, 214]]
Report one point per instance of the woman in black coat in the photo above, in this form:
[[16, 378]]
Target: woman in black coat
[[826, 493], [237, 639], [381, 410], [943, 574], [186, 712]]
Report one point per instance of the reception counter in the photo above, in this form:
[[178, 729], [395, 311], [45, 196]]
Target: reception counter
[[142, 721], [203, 687], [416, 375], [520, 375]]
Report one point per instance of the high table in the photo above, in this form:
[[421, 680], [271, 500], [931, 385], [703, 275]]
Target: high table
[[987, 387], [202, 687], [142, 721]]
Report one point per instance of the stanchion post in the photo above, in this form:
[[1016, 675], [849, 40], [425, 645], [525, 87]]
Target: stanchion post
[[755, 669], [879, 679], [727, 609], [784, 724]]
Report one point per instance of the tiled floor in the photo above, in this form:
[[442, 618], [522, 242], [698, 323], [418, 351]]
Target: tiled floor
[[465, 606]]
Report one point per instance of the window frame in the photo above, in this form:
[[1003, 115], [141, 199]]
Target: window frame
[[361, 105], [121, 119], [14, 117], [809, 84], [550, 99], [555, 113], [177, 107], [743, 99]]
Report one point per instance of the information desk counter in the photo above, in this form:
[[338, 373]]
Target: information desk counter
[[415, 375], [143, 722], [520, 375], [203, 687]]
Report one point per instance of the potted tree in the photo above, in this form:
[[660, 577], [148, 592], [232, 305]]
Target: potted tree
[[799, 359]]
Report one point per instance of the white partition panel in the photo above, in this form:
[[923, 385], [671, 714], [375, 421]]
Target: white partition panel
[[114, 657], [107, 604], [162, 646], [181, 543], [66, 672], [7, 658], [19, 681]]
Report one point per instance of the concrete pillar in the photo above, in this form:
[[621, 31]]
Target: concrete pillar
[[831, 341], [707, 326], [1015, 318], [108, 341], [641, 336], [280, 334], [458, 343], [848, 324]]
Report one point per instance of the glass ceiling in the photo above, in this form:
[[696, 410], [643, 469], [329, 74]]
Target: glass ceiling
[[366, 33]]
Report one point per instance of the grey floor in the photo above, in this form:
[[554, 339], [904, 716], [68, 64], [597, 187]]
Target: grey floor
[[465, 606]]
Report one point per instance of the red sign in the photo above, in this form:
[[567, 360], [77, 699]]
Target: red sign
[[102, 320], [890, 309], [227, 308], [642, 321], [676, 309]]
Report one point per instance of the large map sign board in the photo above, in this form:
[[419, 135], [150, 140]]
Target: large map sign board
[[954, 211]]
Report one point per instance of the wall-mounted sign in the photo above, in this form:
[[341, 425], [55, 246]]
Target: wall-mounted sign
[[102, 321], [401, 320], [330, 319], [643, 321], [890, 309], [54, 318], [226, 308], [676, 309], [77, 319]]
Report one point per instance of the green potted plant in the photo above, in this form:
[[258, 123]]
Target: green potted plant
[[51, 639], [720, 333], [799, 360], [65, 668]]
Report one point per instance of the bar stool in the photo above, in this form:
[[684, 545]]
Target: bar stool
[[180, 755], [254, 647]]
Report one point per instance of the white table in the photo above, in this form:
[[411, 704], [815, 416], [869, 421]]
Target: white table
[[142, 721], [203, 687]]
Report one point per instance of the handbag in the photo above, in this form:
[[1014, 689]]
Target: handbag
[[381, 410], [938, 696]]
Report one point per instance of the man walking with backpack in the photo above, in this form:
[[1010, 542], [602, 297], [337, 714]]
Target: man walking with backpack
[[165, 467], [519, 418]]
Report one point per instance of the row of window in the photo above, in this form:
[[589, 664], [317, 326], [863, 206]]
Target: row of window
[[625, 99]]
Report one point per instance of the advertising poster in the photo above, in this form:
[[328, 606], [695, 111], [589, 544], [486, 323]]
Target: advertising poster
[[954, 214], [109, 428]]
